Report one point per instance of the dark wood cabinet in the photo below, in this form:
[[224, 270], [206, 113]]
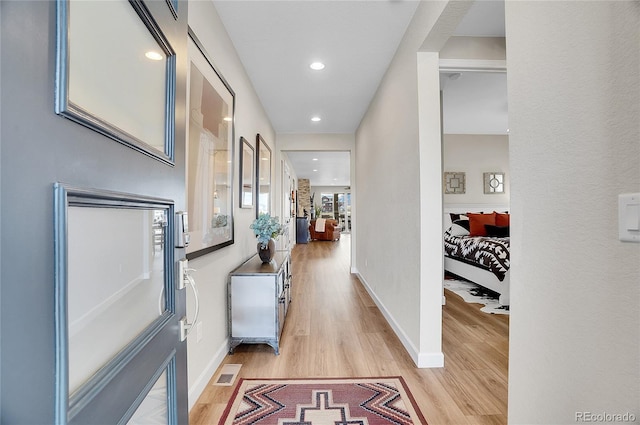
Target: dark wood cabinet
[[302, 230]]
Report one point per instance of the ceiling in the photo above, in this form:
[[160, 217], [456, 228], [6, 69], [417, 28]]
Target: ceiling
[[474, 102], [356, 39], [278, 40], [322, 168]]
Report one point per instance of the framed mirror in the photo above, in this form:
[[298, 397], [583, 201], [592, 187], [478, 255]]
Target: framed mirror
[[210, 157], [263, 181], [120, 83], [247, 173], [493, 182]]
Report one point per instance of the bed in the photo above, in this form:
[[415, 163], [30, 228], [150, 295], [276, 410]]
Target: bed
[[476, 248]]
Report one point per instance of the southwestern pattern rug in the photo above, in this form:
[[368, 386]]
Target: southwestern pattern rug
[[358, 401]]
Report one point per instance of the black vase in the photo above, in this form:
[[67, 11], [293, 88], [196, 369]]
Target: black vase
[[266, 254]]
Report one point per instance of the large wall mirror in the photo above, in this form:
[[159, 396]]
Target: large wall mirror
[[263, 183], [115, 73], [210, 158]]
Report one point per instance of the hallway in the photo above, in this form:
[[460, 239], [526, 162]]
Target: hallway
[[334, 329]]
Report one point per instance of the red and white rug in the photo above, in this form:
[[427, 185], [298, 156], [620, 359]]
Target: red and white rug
[[358, 401]]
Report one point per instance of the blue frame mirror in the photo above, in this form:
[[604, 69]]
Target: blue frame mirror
[[120, 83]]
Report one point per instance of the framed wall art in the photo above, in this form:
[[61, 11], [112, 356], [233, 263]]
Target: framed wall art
[[247, 173], [263, 181], [118, 83], [454, 183], [210, 158]]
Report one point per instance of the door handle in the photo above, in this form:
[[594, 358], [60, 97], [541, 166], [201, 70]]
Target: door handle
[[185, 279]]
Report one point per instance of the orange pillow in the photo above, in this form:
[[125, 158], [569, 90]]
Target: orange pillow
[[502, 219], [477, 222]]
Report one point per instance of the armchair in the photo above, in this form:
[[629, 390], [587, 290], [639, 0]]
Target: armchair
[[331, 231]]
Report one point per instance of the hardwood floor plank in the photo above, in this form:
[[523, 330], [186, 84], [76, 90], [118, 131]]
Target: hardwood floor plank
[[334, 329]]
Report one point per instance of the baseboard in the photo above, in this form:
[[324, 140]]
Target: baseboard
[[202, 381], [422, 360], [430, 360]]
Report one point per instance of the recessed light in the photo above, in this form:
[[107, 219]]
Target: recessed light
[[314, 159], [315, 170], [154, 56], [317, 66], [316, 119]]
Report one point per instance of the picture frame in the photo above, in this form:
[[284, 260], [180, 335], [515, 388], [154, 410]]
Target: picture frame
[[247, 173], [173, 8], [454, 183], [118, 83], [263, 177], [209, 154]]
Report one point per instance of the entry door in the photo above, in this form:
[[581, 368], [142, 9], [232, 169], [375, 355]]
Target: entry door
[[119, 300], [92, 173]]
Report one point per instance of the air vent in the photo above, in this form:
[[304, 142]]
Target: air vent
[[227, 374]]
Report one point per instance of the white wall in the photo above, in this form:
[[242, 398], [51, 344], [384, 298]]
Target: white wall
[[482, 48], [476, 155], [388, 165], [574, 86], [212, 269]]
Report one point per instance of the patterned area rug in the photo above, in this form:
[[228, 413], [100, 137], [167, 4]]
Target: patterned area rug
[[359, 401], [472, 293]]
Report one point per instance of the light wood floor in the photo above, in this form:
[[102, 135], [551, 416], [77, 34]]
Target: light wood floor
[[334, 329]]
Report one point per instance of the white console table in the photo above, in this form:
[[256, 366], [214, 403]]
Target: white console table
[[259, 297]]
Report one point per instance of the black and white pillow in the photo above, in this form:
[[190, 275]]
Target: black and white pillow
[[459, 228], [455, 217]]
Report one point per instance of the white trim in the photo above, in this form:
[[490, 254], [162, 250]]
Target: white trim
[[198, 387], [430, 360], [422, 360], [473, 65]]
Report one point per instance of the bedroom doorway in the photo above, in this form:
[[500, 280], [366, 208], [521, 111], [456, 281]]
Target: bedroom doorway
[[475, 163]]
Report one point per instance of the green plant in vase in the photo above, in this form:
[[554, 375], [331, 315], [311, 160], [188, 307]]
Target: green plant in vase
[[266, 229]]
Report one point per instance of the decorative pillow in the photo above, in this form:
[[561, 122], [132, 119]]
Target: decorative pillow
[[497, 231], [502, 219], [459, 228], [477, 222], [464, 222], [455, 217]]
